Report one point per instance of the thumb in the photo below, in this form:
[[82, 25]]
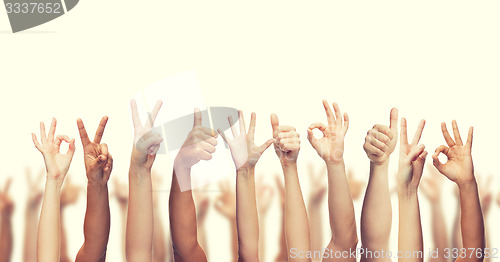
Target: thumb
[[311, 138], [274, 122]]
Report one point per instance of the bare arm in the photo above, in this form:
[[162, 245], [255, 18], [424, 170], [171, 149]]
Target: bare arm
[[245, 155], [411, 165], [139, 236], [31, 215], [331, 149], [57, 166], [376, 215], [6, 210], [287, 146], [460, 169], [282, 252], [98, 166]]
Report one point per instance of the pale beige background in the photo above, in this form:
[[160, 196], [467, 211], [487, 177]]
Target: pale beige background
[[436, 60]]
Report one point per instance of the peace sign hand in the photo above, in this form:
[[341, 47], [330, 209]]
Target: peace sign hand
[[6, 203], [57, 164], [411, 158], [146, 142], [459, 167], [98, 161]]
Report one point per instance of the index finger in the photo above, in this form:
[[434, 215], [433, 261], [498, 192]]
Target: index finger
[[136, 120], [83, 133], [394, 118], [418, 133], [7, 185], [329, 113], [404, 133], [100, 130]]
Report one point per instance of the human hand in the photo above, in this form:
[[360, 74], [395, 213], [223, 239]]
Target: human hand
[[243, 149], [146, 141], [318, 185], [98, 161], [411, 158], [286, 142], [355, 186], [331, 146], [35, 191], [264, 195], [6, 203], [120, 192], [431, 185], [281, 189], [199, 145], [56, 164], [459, 167], [225, 204], [381, 140], [202, 205], [485, 194], [69, 193]]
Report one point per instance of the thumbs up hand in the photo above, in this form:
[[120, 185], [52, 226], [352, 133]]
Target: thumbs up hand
[[381, 140], [199, 145], [287, 142]]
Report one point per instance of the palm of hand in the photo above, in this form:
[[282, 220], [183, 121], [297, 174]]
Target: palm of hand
[[95, 172], [57, 163], [331, 146]]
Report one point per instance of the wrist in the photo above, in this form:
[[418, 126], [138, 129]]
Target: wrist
[[246, 171], [407, 190], [287, 164], [467, 186]]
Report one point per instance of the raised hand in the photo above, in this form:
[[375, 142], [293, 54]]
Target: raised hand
[[57, 164], [286, 141], [98, 161], [225, 203], [431, 185], [6, 203], [265, 195], [459, 167], [355, 186], [69, 193], [146, 142], [199, 145], [318, 184], [381, 140], [331, 146], [411, 158], [243, 149], [35, 192], [120, 192], [485, 194]]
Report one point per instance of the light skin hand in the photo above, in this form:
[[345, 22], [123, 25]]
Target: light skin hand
[[431, 185], [199, 145], [35, 192], [57, 164], [331, 146], [381, 140], [286, 142], [146, 142], [98, 161], [411, 158], [243, 149], [69, 193]]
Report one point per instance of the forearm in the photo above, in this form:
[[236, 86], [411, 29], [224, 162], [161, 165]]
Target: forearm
[[314, 215], [439, 232], [183, 220], [456, 238], [29, 245], [410, 239], [6, 236], [283, 251], [64, 239], [472, 220], [159, 243], [296, 221], [49, 234], [341, 208], [246, 216], [376, 215], [139, 236], [96, 225]]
